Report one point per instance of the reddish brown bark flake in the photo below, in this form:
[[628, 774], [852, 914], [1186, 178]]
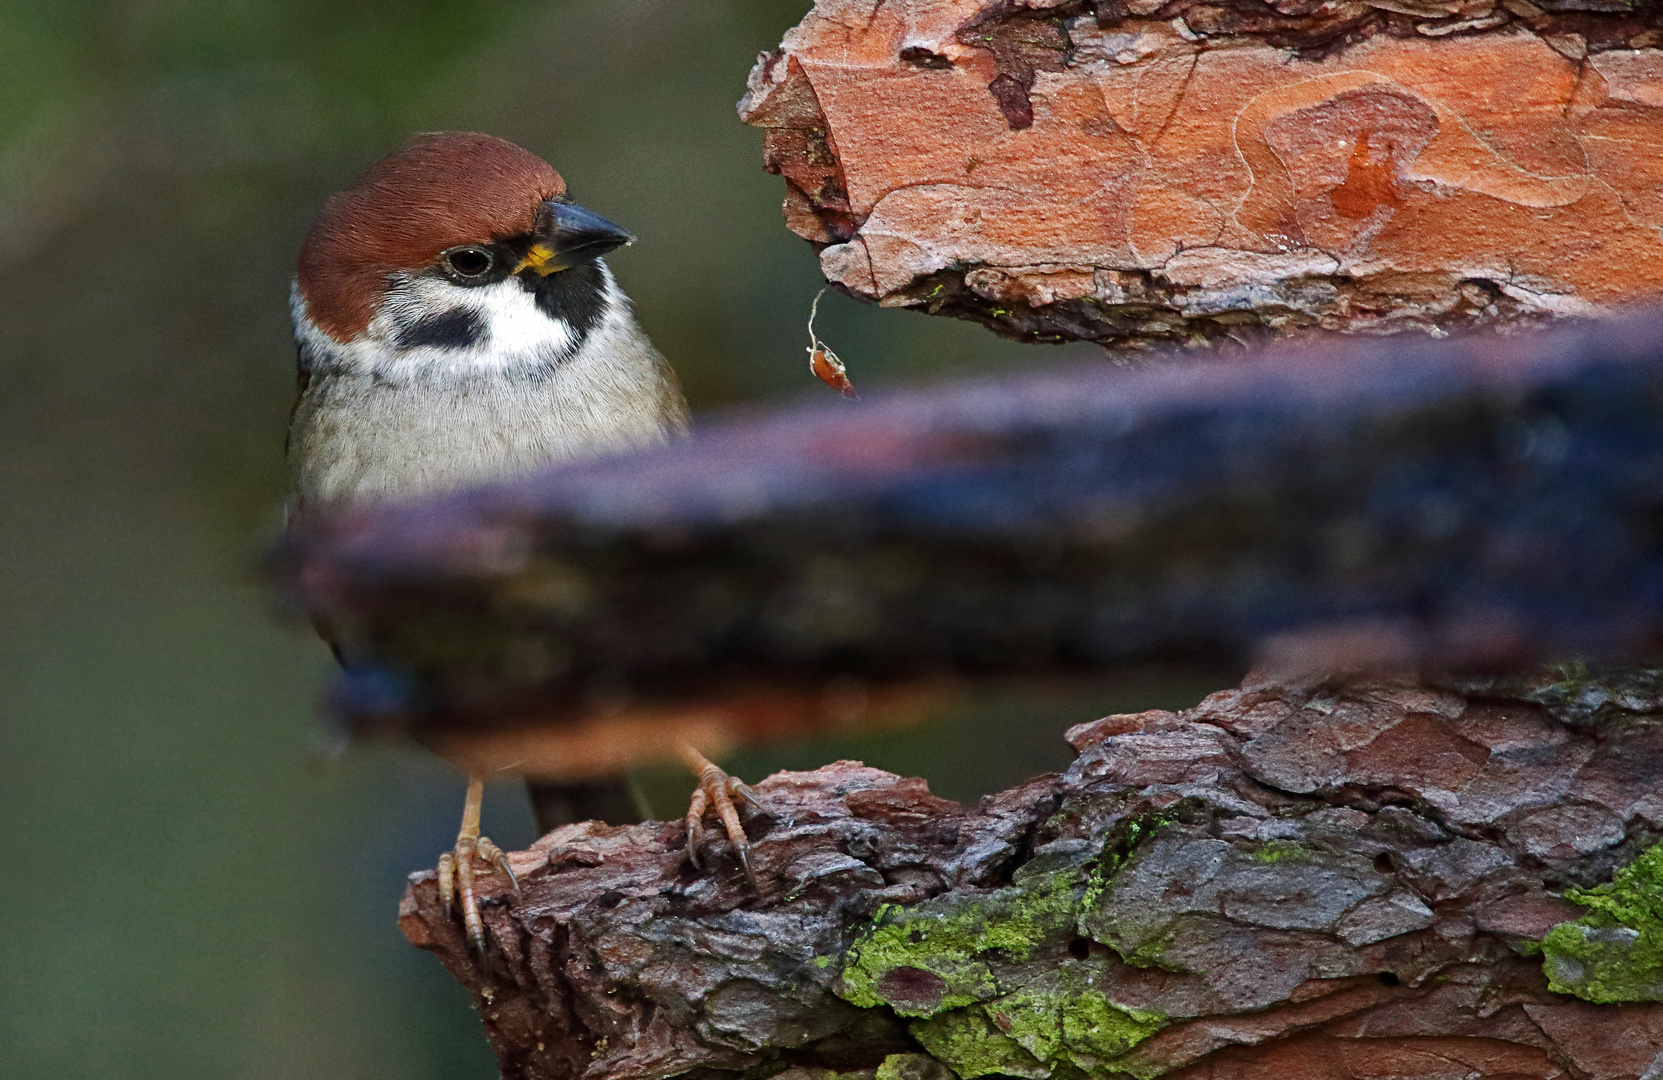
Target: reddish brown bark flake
[[1138, 171]]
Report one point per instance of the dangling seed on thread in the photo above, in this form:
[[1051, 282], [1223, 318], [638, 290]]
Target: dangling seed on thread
[[822, 361]]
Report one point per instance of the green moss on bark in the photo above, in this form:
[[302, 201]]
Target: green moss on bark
[[954, 938], [991, 981], [1615, 952], [967, 1040], [1055, 1026], [1065, 1018]]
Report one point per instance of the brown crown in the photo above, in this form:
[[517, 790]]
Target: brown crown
[[437, 191]]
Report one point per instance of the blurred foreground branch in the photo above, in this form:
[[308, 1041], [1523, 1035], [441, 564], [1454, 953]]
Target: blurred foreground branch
[[1476, 504]]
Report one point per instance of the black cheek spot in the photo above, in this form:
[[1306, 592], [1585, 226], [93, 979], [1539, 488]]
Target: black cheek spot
[[456, 328], [576, 296]]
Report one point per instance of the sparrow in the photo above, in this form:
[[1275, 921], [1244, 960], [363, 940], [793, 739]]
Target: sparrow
[[456, 325]]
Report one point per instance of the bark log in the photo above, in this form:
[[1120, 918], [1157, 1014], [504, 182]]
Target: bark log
[[1133, 171], [1481, 502], [1341, 880]]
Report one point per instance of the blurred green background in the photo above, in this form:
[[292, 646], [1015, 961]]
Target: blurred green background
[[187, 892]]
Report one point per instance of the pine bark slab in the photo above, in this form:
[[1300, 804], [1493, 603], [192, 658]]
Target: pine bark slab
[[1134, 171], [1335, 880]]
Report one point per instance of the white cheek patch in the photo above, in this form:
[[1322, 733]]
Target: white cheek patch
[[516, 336], [516, 326]]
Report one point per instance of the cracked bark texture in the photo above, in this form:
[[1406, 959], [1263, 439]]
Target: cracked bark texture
[[1344, 879], [1131, 171]]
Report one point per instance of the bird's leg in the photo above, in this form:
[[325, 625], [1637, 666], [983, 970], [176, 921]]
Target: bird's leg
[[456, 867], [716, 788]]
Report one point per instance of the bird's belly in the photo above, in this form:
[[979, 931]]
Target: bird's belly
[[354, 441]]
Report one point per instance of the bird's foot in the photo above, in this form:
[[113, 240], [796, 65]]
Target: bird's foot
[[458, 870], [718, 790], [459, 867]]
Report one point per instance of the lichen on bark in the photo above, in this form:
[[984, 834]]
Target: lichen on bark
[[1615, 952], [965, 967]]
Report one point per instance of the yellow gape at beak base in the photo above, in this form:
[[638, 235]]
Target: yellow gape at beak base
[[542, 259]]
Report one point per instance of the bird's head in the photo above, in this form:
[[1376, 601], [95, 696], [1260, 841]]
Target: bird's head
[[459, 254]]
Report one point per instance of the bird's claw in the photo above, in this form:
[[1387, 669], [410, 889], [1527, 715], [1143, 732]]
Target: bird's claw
[[457, 868], [458, 871], [718, 790], [499, 858]]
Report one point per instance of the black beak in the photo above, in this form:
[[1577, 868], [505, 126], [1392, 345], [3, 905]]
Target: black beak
[[567, 233]]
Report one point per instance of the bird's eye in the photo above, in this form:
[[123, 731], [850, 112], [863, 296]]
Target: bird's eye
[[469, 262]]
